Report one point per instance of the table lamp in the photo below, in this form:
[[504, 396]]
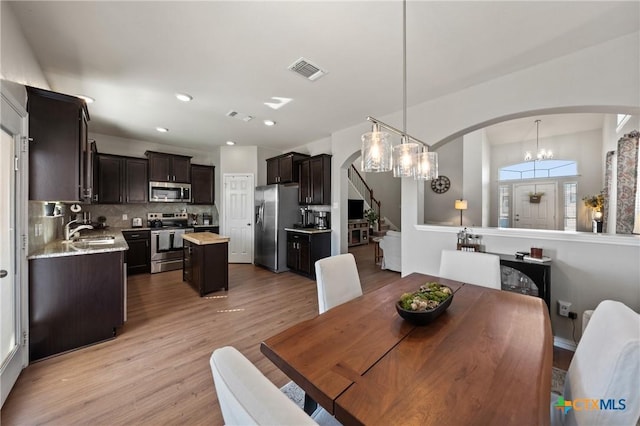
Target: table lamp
[[461, 205]]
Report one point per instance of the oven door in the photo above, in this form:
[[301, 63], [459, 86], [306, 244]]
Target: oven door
[[166, 243]]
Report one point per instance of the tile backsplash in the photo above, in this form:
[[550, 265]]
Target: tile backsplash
[[114, 212]]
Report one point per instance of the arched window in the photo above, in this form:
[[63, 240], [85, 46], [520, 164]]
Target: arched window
[[538, 169]]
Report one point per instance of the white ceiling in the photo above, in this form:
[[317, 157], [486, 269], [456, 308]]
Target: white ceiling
[[132, 57]]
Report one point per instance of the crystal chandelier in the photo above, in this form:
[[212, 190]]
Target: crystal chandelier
[[541, 154]]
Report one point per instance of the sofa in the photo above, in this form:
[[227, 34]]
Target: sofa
[[391, 247]]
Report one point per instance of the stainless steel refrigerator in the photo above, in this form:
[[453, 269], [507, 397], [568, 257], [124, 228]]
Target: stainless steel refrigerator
[[276, 208]]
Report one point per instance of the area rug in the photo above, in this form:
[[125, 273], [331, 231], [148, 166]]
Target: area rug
[[294, 393], [557, 380]]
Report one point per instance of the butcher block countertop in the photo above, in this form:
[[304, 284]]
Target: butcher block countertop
[[204, 238]]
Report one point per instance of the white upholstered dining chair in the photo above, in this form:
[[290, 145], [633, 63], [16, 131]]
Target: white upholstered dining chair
[[605, 366], [338, 281], [247, 397], [481, 269]]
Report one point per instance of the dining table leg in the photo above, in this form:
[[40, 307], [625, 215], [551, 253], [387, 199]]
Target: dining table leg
[[309, 404]]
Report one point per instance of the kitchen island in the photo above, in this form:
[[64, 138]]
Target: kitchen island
[[205, 262]]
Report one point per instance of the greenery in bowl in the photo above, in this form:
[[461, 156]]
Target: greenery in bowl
[[428, 297]]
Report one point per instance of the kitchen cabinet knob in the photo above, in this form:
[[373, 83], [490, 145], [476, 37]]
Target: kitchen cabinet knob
[[3, 273]]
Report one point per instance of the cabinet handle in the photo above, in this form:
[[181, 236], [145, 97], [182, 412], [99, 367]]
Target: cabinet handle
[[134, 236], [120, 198], [168, 178]]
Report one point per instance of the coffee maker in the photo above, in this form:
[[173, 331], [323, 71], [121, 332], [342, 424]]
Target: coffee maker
[[306, 217], [322, 220]]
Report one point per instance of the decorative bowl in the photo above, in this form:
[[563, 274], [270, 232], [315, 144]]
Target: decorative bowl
[[423, 317]]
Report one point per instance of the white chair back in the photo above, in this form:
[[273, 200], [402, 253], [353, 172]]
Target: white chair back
[[481, 269], [606, 366], [247, 397], [338, 281]]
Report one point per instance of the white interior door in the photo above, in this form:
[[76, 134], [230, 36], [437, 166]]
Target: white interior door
[[238, 216], [530, 215], [13, 353]]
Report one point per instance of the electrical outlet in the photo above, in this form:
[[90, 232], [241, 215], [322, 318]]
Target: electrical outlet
[[125, 217], [563, 308]]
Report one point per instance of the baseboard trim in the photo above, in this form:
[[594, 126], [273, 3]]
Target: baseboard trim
[[569, 345]]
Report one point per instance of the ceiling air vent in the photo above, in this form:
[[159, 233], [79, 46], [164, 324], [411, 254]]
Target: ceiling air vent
[[239, 115], [307, 69]]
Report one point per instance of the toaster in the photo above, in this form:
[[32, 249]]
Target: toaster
[[136, 222]]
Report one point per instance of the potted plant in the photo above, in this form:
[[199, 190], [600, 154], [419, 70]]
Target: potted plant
[[371, 217], [535, 197], [596, 204]]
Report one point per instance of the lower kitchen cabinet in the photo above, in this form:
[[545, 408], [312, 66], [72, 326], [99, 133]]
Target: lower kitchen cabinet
[[74, 301], [205, 267], [305, 248], [138, 257]]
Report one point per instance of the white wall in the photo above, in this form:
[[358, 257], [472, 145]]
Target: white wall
[[18, 62], [263, 154], [472, 166], [583, 78], [438, 208]]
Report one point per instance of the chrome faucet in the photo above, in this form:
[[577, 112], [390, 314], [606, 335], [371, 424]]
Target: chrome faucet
[[68, 233]]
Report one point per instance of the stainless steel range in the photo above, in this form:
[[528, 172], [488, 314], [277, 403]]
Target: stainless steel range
[[167, 230]]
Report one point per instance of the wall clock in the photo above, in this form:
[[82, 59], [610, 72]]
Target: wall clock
[[440, 185]]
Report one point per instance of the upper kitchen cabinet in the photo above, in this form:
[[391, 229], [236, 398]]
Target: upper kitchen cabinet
[[59, 154], [169, 167], [284, 168], [202, 184], [120, 179], [315, 180]]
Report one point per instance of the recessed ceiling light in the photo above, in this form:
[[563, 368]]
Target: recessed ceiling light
[[162, 129], [184, 97], [269, 123], [231, 143], [87, 99]]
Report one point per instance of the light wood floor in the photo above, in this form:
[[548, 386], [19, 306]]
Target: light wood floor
[[157, 370]]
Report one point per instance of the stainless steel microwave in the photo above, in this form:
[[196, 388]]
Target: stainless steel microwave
[[169, 192]]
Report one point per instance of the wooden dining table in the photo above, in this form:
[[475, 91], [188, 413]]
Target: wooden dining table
[[486, 360]]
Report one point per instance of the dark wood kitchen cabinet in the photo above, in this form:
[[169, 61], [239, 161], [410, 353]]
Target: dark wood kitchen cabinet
[[315, 180], [284, 168], [202, 184], [138, 257], [120, 179], [74, 301], [304, 249], [169, 167], [59, 153], [205, 266]]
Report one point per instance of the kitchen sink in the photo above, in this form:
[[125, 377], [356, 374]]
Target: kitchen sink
[[96, 240]]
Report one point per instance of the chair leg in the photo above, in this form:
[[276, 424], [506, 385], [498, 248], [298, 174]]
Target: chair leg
[[309, 404]]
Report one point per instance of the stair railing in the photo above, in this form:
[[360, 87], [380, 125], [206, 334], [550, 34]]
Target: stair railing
[[361, 186]]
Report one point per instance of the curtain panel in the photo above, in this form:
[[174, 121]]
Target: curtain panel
[[608, 177], [627, 182]]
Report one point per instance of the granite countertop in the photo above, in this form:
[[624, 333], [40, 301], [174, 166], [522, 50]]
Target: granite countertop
[[308, 230], [59, 248], [204, 226], [204, 238]]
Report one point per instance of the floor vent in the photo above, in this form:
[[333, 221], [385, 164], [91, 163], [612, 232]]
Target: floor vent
[[307, 69]]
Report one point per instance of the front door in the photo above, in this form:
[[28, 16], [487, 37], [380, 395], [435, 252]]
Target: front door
[[238, 212], [12, 301], [535, 215]]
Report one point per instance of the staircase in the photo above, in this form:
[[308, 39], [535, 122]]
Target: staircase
[[381, 228]]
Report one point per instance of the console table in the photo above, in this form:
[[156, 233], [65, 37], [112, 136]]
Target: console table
[[538, 273]]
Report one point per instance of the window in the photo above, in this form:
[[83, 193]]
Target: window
[[621, 121], [570, 208], [538, 169], [504, 206]]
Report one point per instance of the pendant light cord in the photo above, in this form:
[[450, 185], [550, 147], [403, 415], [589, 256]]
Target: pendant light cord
[[404, 67]]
